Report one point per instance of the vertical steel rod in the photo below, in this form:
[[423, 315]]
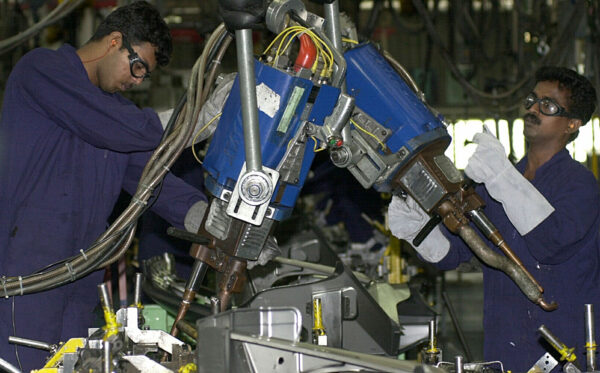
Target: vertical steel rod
[[137, 292], [590, 339], [334, 33], [459, 364], [245, 58], [106, 357]]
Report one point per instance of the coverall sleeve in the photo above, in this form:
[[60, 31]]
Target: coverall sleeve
[[102, 119], [570, 227], [175, 198]]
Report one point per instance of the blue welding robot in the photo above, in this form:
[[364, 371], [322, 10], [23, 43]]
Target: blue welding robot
[[389, 126], [379, 92]]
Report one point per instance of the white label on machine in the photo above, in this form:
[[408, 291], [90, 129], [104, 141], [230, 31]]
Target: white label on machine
[[267, 100]]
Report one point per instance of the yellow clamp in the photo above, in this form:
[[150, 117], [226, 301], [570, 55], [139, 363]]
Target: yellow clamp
[[139, 306], [189, 368], [434, 350], [318, 319], [112, 326], [567, 354], [70, 346]]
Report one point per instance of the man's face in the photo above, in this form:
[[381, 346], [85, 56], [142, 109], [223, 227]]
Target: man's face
[[115, 72], [539, 127]]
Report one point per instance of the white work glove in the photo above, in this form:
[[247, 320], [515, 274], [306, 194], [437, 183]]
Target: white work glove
[[193, 217], [406, 219], [210, 110], [524, 205]]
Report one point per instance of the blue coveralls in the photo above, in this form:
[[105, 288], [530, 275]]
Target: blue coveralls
[[67, 150], [562, 253]]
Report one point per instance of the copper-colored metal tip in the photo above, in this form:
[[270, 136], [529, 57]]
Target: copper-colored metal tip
[[547, 307]]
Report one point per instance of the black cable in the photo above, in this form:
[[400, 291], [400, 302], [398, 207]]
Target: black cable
[[406, 27], [457, 328], [373, 17]]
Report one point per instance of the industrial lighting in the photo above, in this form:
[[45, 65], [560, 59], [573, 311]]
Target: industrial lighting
[[462, 132]]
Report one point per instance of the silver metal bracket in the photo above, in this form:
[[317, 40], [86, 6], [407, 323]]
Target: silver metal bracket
[[250, 198]]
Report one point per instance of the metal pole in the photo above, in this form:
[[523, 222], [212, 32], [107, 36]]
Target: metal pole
[[334, 33], [137, 293], [245, 57], [8, 367], [432, 335], [459, 364], [106, 357], [31, 343], [215, 305], [104, 297], [332, 27], [590, 340]]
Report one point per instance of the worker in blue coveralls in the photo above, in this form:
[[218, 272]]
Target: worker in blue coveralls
[[547, 207], [69, 143]]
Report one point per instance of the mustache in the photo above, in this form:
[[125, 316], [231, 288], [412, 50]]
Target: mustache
[[529, 117]]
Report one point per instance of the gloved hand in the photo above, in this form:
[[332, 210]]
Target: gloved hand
[[406, 219], [193, 218], [210, 110], [490, 166]]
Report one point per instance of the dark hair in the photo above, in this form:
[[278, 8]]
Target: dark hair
[[139, 22], [582, 101]]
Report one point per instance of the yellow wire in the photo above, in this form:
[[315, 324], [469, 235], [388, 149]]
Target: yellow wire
[[286, 33], [275, 40], [346, 40], [315, 147], [198, 134], [326, 66], [327, 57], [301, 30], [383, 146], [328, 50], [323, 53]]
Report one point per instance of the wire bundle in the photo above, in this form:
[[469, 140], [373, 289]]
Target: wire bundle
[[285, 39], [58, 13]]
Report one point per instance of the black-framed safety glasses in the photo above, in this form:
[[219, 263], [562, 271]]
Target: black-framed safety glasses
[[548, 106], [138, 67]]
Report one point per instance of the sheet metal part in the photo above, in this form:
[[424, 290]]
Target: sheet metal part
[[359, 322], [228, 342], [545, 364]]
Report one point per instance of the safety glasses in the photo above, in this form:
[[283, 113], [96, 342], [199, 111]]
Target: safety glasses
[[138, 67], [547, 106]]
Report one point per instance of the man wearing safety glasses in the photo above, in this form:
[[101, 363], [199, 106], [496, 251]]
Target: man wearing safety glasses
[[547, 208], [68, 144]]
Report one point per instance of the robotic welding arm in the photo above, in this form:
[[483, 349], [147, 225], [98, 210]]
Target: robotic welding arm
[[358, 107]]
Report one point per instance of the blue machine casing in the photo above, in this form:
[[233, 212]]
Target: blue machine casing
[[378, 90], [226, 154], [382, 93]]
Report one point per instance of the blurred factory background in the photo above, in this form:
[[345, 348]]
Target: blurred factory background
[[466, 56]]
